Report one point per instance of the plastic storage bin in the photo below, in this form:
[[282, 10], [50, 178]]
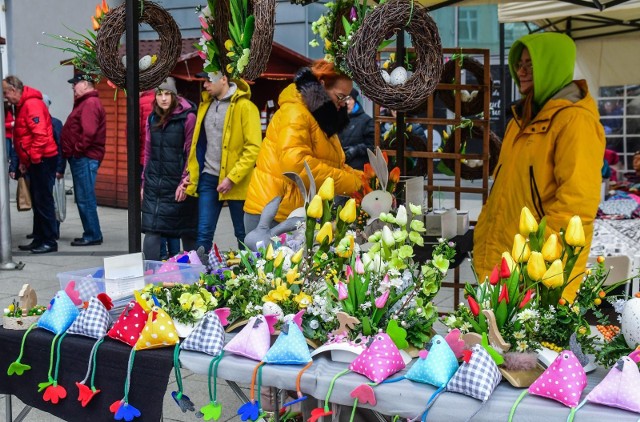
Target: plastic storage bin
[[90, 282]]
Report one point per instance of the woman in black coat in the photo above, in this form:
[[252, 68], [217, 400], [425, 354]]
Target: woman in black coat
[[359, 134], [166, 210]]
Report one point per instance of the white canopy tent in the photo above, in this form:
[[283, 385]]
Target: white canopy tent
[[608, 40]]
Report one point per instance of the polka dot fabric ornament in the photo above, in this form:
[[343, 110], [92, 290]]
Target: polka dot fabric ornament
[[478, 375], [436, 366], [158, 332], [380, 360], [620, 388], [60, 314], [290, 348], [129, 325], [562, 381]]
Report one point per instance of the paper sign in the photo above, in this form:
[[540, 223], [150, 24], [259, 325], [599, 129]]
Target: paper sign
[[123, 274]]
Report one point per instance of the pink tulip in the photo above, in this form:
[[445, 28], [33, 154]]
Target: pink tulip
[[348, 273], [359, 265], [382, 300], [206, 35], [203, 22], [342, 291], [202, 54]]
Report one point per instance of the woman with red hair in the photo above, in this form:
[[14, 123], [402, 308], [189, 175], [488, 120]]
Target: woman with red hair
[[304, 129]]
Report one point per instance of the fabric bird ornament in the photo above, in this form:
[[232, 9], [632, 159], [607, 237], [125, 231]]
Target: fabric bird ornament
[[129, 324], [477, 376], [208, 337], [620, 388], [93, 322], [563, 381], [254, 340]]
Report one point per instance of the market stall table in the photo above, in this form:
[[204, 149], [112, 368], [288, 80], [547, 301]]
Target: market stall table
[[149, 377], [406, 398]]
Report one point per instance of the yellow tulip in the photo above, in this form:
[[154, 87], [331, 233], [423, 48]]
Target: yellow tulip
[[510, 262], [348, 212], [229, 68], [269, 254], [327, 44], [554, 277], [326, 190], [297, 257], [228, 44], [279, 259], [520, 251], [536, 266], [575, 232], [326, 232], [314, 210], [528, 223], [552, 249]]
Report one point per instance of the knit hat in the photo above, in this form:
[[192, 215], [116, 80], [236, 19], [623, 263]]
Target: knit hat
[[169, 84]]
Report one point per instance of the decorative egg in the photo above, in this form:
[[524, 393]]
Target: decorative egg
[[270, 308], [385, 75], [398, 76], [630, 322], [145, 62]]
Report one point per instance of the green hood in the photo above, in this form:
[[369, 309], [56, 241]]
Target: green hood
[[553, 56]]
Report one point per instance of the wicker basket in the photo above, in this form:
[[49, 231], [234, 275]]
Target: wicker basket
[[477, 133], [467, 108], [108, 41], [381, 24], [261, 41], [21, 323]]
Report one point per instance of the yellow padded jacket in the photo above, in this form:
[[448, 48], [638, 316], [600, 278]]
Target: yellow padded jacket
[[293, 137], [241, 139], [553, 167]]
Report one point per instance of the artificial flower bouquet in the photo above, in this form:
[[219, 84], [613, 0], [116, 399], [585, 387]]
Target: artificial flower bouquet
[[524, 292], [186, 304]]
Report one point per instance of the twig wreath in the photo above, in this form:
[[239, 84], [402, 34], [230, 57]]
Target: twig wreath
[[108, 41], [468, 172], [472, 103], [381, 23], [263, 12]]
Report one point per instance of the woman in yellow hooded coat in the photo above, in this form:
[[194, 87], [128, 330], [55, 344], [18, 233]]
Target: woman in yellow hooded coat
[[551, 154], [312, 111]]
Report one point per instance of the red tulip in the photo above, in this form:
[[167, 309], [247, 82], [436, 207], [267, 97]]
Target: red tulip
[[526, 298], [505, 272], [473, 306], [495, 276], [504, 294]]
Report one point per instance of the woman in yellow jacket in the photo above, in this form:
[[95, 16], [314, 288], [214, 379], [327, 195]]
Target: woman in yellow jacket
[[551, 154], [312, 111]]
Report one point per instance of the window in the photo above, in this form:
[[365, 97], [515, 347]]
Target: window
[[467, 25]]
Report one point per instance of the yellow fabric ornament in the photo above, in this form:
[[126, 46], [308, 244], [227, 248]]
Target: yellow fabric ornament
[[159, 331]]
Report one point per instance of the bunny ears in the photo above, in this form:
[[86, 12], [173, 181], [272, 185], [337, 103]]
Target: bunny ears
[[303, 189], [379, 165]]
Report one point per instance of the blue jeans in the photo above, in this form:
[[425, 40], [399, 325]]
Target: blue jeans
[[84, 171], [209, 207]]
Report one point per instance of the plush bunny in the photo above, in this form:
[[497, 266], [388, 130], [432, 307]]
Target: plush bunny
[[262, 235], [379, 200], [264, 232]]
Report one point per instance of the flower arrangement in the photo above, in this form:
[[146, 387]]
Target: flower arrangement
[[184, 303], [326, 28], [15, 311], [241, 28], [525, 291], [83, 48]]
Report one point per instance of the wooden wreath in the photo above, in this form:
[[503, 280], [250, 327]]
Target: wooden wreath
[[477, 133], [108, 40], [261, 41], [380, 24], [476, 104]]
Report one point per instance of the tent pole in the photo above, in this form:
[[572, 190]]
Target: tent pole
[[133, 125], [6, 260]]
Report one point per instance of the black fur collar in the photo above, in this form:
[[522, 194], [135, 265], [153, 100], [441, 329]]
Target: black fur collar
[[330, 119]]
